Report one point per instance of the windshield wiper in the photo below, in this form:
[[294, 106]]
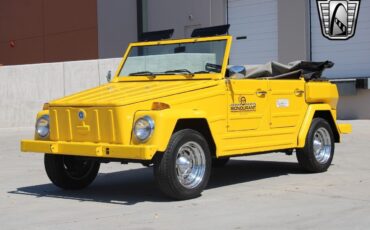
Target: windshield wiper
[[180, 71], [142, 73], [168, 72], [202, 71]]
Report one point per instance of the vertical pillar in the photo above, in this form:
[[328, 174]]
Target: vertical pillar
[[293, 30]]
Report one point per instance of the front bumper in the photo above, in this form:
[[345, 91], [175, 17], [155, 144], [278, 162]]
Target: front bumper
[[89, 149], [345, 128]]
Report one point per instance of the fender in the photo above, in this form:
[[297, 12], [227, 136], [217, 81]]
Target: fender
[[165, 122], [311, 110]]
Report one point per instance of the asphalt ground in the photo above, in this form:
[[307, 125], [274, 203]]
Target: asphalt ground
[[255, 192]]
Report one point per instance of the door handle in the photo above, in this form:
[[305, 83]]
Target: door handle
[[298, 92], [261, 93]]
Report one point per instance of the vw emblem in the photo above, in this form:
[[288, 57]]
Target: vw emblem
[[81, 115]]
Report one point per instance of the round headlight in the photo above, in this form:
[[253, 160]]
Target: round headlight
[[42, 126], [143, 128]]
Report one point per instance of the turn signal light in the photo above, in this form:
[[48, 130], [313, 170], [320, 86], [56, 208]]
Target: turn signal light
[[46, 106], [160, 106]]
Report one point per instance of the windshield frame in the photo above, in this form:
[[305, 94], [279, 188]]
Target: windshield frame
[[220, 75]]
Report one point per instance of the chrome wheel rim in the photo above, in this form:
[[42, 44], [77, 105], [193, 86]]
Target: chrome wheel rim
[[190, 164], [322, 145]]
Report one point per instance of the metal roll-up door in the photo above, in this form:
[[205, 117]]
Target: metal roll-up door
[[257, 21], [351, 57]]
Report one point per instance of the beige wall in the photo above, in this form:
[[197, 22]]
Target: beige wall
[[356, 106], [25, 88]]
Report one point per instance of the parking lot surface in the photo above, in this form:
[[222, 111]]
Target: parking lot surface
[[255, 192]]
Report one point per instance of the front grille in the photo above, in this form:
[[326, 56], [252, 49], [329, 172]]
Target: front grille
[[84, 125]]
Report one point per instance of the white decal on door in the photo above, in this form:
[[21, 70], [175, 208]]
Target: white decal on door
[[282, 103]]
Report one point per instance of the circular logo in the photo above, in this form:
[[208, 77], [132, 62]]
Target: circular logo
[[81, 115], [242, 100]]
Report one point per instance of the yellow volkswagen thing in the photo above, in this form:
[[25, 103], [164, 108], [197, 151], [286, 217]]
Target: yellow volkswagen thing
[[178, 105]]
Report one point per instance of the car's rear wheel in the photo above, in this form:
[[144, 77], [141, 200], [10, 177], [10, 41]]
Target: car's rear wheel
[[70, 172], [182, 172], [318, 152]]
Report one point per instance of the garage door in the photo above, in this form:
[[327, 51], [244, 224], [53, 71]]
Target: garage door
[[256, 20], [351, 57]]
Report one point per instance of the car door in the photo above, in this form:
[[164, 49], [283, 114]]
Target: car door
[[248, 117], [287, 108], [248, 105], [287, 102]]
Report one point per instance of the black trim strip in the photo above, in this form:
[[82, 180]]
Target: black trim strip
[[139, 18]]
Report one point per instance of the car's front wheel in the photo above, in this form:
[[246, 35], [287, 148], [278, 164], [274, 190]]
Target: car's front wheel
[[182, 172], [70, 172]]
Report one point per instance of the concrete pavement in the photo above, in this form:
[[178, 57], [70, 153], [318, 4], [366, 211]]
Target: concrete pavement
[[256, 192]]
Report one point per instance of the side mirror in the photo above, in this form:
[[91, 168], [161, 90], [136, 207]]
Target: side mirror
[[109, 76], [237, 71]]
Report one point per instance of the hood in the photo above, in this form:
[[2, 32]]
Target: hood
[[125, 93]]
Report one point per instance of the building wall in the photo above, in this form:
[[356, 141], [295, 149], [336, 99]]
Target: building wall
[[25, 88], [33, 31], [355, 106], [276, 30], [184, 16], [351, 57], [293, 30], [117, 23]]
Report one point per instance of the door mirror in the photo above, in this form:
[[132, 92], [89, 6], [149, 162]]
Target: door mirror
[[109, 76], [237, 71]]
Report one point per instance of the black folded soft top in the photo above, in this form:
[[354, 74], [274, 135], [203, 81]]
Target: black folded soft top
[[294, 70]]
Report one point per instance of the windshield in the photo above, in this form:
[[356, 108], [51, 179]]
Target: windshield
[[181, 58]]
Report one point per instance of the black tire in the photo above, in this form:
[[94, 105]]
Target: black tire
[[306, 156], [166, 169], [219, 162], [70, 172]]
